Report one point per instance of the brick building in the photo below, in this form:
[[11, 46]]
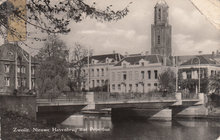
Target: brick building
[[8, 67]]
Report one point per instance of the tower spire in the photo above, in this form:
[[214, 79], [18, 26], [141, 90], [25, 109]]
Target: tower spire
[[161, 30]]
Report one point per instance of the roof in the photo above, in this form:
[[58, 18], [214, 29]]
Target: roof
[[133, 60], [204, 59], [115, 57], [9, 49], [161, 3]]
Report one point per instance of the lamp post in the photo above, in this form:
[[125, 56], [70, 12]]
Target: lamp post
[[199, 70], [176, 74]]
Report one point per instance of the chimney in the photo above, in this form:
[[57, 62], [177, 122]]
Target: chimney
[[126, 54], [213, 54]]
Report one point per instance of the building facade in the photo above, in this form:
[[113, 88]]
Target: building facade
[[96, 72], [15, 74], [137, 73], [199, 67], [161, 33]]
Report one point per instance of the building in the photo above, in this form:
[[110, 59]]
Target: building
[[12, 70], [137, 73], [197, 68], [97, 72], [161, 33]]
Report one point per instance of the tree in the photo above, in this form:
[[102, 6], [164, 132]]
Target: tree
[[78, 75], [214, 84], [52, 72], [167, 81], [54, 16]]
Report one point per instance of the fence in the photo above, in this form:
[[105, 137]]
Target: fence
[[107, 97]]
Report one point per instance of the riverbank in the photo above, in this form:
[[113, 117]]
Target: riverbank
[[15, 126]]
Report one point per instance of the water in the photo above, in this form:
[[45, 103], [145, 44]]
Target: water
[[102, 128]]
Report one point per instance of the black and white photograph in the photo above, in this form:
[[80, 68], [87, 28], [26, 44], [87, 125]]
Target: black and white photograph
[[109, 70]]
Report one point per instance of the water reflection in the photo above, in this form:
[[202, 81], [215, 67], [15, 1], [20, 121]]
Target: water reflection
[[146, 130], [88, 123]]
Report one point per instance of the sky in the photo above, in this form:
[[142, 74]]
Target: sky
[[191, 32]]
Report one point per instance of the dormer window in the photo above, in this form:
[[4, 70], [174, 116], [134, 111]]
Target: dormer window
[[107, 60], [142, 63]]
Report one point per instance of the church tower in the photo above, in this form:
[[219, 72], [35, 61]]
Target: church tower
[[161, 31]]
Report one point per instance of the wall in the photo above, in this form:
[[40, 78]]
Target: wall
[[24, 105]]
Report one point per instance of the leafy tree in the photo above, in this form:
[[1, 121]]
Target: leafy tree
[[167, 81], [214, 84], [53, 68], [55, 16]]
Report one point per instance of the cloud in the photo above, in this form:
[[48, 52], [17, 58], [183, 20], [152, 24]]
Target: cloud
[[185, 45]]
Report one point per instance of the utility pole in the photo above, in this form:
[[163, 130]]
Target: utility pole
[[88, 70], [176, 74]]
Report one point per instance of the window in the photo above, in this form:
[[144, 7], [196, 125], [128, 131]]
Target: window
[[93, 83], [7, 81], [149, 74], [155, 84], [136, 75], [97, 82], [103, 82], [212, 72], [102, 72], [130, 75], [97, 72], [92, 72], [149, 84], [23, 69], [119, 76], [189, 75], [124, 76], [130, 87], [113, 87], [158, 39], [142, 63], [6, 68], [136, 87], [33, 70], [159, 14], [113, 76], [142, 75], [18, 69], [155, 74], [23, 82], [33, 83], [119, 87]]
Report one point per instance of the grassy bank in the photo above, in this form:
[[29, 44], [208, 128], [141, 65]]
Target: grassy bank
[[17, 127]]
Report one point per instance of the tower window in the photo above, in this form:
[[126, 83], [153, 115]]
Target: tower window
[[159, 14], [158, 39]]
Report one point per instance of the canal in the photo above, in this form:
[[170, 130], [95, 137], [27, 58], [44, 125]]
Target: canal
[[101, 127]]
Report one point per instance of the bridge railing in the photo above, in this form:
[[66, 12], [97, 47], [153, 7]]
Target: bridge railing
[[190, 96], [110, 97], [67, 98]]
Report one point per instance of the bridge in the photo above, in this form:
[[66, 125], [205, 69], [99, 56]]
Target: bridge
[[122, 105]]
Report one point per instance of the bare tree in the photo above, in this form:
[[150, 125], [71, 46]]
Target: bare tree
[[78, 73], [53, 16]]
